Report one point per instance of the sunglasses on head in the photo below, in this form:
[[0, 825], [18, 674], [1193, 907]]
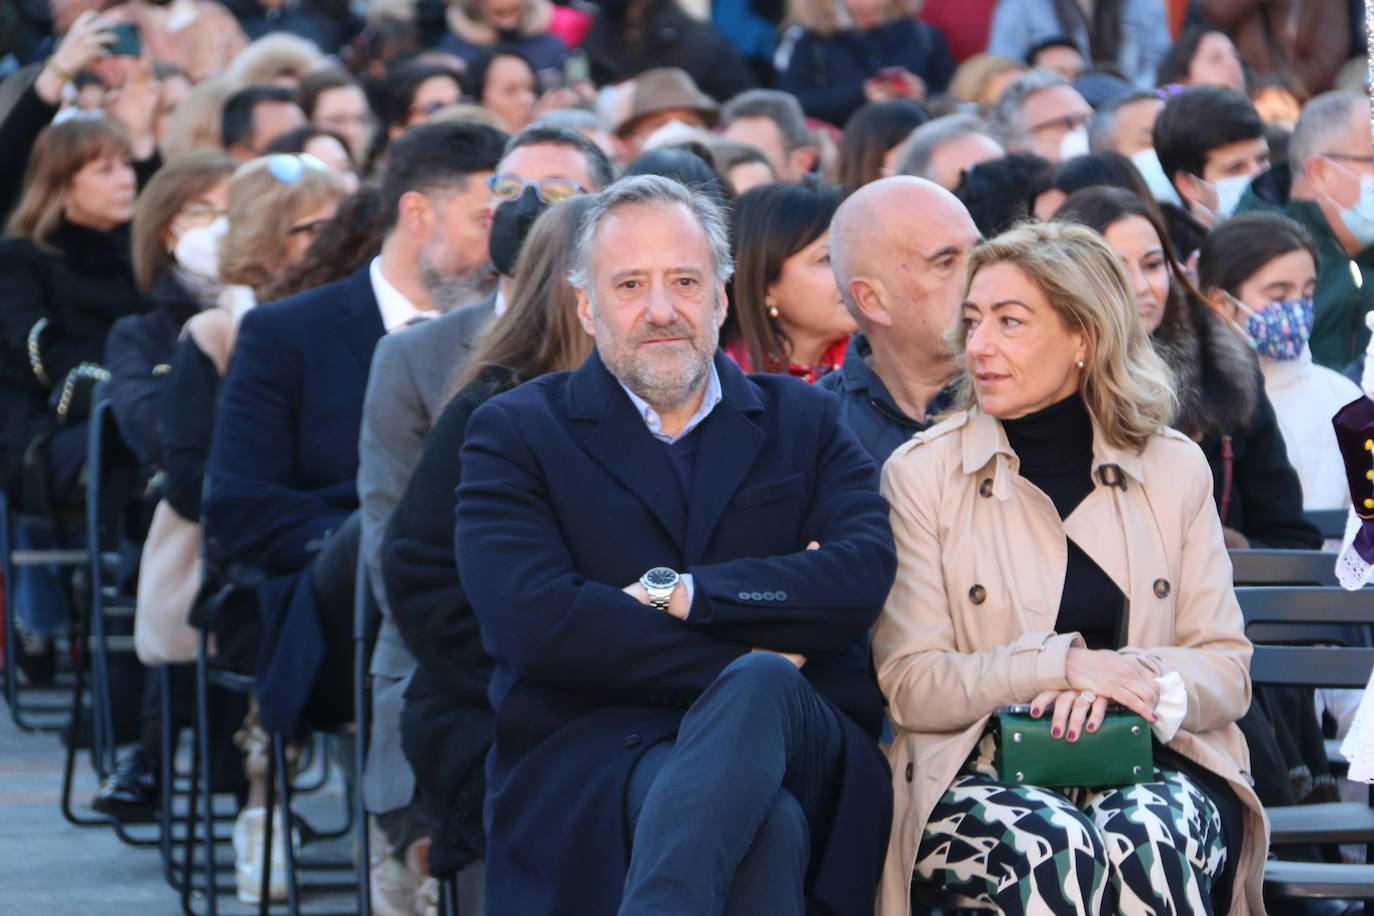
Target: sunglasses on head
[[289, 167]]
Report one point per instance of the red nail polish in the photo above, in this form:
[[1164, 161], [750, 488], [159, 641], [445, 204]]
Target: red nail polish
[[1072, 736], [1035, 712], [1054, 733], [1092, 727]]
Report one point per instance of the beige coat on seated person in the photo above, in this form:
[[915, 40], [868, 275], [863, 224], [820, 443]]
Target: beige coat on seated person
[[969, 624]]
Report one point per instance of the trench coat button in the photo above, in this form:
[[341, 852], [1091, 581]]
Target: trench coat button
[[978, 594], [910, 771], [1161, 588], [985, 488], [632, 741]]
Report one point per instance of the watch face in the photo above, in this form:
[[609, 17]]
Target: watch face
[[660, 577]]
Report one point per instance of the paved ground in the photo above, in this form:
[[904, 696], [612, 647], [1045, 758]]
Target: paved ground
[[49, 867]]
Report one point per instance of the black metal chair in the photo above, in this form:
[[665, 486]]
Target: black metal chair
[[1296, 614], [1330, 522], [1283, 567]]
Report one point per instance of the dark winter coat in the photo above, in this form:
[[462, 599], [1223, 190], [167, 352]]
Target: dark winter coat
[[447, 722], [827, 73], [671, 39], [1222, 406], [138, 354], [81, 289]]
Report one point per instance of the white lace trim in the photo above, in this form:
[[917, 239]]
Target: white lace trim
[[1358, 746], [1351, 569]]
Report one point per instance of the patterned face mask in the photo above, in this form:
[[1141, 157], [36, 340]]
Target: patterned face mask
[[1279, 330]]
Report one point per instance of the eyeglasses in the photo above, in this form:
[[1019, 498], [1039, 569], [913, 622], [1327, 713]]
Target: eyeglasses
[[310, 229], [1066, 123], [550, 190], [198, 213], [425, 110], [1347, 157], [289, 167]]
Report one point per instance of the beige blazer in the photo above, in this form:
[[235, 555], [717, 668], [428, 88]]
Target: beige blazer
[[969, 624]]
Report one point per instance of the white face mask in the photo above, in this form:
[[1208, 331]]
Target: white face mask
[[197, 250], [1147, 163], [1074, 143], [1229, 191]]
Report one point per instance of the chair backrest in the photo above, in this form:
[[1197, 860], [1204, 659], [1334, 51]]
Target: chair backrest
[[1283, 567], [1330, 522], [1305, 615]]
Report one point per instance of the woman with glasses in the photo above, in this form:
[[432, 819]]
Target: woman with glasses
[[173, 256], [276, 205]]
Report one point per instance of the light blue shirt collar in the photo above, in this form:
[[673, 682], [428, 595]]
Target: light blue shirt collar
[[709, 400]]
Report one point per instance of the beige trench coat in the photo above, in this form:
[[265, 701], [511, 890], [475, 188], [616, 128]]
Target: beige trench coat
[[969, 624]]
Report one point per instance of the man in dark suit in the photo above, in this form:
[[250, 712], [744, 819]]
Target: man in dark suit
[[282, 471], [675, 567], [410, 383]]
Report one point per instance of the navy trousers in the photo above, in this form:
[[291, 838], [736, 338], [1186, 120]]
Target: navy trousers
[[723, 817]]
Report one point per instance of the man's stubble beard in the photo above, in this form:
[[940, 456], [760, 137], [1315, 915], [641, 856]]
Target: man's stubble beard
[[452, 292], [660, 390]]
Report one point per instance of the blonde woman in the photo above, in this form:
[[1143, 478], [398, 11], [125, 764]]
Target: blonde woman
[[276, 204], [1058, 547]]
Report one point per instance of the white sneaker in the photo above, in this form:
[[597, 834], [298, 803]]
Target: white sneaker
[[248, 840]]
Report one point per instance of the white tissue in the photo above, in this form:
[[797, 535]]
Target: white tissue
[[1172, 707]]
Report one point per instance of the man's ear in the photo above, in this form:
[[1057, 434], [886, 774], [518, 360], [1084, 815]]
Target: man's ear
[[415, 213], [1187, 187], [724, 308], [584, 311], [867, 297], [802, 159]]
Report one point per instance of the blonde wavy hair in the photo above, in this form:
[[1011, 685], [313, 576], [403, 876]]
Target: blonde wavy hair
[[262, 210], [1127, 388]]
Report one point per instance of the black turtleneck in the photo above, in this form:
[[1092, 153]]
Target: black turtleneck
[[1055, 449]]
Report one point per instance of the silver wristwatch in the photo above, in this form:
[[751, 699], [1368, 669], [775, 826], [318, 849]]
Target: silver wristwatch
[[659, 582]]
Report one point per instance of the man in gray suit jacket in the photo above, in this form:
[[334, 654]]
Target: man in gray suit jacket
[[411, 379]]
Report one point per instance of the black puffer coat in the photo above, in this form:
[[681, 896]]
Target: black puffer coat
[[81, 288]]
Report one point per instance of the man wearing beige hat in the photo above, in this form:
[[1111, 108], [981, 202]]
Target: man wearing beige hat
[[661, 96]]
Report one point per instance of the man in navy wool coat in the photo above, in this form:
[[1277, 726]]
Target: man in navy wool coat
[[675, 567]]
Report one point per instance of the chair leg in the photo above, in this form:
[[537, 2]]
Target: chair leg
[[265, 889], [69, 762], [449, 888], [202, 779], [284, 789], [166, 819]]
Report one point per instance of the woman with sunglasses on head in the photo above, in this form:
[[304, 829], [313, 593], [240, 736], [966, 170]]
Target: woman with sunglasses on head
[[276, 205]]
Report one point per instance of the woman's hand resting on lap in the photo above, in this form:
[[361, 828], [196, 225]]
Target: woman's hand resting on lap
[[1097, 677]]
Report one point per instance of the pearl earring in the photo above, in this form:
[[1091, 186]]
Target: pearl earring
[[1080, 364], [772, 311]]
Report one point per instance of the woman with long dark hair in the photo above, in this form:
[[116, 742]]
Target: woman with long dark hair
[[446, 723], [786, 312], [1221, 400]]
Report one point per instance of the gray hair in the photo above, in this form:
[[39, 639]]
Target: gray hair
[[1102, 129], [919, 148], [651, 191], [1322, 121], [1005, 117], [782, 108], [570, 118]]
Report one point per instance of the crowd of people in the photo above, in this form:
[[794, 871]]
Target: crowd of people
[[729, 413]]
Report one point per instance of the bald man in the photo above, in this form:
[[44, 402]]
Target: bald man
[[903, 285]]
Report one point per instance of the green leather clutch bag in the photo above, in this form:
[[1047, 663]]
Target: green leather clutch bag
[[1118, 753]]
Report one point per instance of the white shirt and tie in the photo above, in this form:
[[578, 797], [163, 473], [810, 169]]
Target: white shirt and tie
[[398, 312]]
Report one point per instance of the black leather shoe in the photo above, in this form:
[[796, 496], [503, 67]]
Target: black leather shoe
[[130, 793]]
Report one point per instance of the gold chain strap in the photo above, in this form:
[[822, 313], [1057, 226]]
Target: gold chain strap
[[83, 370], [36, 358]]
